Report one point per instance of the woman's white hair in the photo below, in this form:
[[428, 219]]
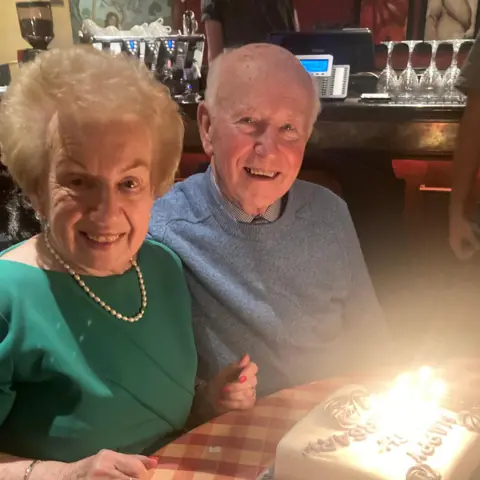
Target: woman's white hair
[[86, 83]]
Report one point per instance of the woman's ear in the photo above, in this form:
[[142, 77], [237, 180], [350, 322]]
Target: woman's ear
[[204, 121], [36, 198]]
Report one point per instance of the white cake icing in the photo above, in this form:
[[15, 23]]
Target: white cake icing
[[299, 455]]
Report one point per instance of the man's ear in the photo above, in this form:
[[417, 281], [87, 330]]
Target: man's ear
[[204, 121]]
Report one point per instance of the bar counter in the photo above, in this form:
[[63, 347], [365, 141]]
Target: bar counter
[[419, 132]]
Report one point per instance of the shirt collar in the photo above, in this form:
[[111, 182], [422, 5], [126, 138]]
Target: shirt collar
[[272, 213]]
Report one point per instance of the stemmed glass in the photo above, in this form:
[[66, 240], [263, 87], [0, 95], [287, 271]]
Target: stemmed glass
[[451, 94], [408, 78], [388, 80], [431, 83]]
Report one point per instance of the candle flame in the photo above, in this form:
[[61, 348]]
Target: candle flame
[[411, 405]]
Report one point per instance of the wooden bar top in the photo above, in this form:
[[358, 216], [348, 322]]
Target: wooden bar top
[[397, 131]]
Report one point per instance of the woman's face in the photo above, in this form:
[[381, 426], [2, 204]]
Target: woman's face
[[112, 20], [100, 193]]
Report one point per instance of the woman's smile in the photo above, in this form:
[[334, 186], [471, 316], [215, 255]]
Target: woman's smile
[[102, 241]]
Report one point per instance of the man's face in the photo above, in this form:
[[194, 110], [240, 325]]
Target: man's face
[[256, 135]]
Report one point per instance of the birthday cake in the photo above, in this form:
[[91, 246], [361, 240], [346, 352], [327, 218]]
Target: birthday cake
[[403, 434]]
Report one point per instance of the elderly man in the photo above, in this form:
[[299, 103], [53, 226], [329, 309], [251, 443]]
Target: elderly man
[[273, 263]]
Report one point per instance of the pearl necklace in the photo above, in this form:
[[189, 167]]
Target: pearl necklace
[[87, 290]]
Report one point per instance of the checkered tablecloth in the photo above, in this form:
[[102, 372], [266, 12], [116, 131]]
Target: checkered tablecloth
[[241, 445]]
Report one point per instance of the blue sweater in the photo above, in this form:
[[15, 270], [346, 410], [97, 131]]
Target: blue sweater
[[294, 294]]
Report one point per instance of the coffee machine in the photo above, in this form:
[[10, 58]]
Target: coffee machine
[[179, 65], [36, 26], [175, 60]]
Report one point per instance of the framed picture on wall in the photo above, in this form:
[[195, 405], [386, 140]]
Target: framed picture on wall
[[123, 14], [448, 19]]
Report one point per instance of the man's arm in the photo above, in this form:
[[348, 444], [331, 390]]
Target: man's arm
[[211, 15], [466, 159], [367, 333], [178, 9], [296, 23], [214, 33], [293, 14]]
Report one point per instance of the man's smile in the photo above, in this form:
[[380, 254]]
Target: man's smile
[[260, 173]]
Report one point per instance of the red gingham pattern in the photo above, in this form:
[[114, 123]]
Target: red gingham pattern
[[241, 445]]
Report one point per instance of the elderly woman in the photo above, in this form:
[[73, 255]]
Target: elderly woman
[[97, 356]]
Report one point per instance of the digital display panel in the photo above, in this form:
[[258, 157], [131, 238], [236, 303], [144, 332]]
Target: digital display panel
[[315, 65]]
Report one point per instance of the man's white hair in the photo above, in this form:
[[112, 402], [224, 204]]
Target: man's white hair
[[213, 80]]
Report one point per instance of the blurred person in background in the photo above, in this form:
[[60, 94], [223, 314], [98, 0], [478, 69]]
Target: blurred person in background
[[466, 161], [233, 23]]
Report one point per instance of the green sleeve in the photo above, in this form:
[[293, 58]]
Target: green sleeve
[[7, 395]]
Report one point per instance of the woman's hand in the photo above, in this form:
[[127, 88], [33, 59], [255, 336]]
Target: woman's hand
[[234, 387], [106, 465]]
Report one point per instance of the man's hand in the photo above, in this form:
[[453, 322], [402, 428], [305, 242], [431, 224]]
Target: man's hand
[[234, 388], [462, 238]]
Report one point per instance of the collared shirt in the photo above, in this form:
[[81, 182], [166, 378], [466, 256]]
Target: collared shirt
[[272, 213]]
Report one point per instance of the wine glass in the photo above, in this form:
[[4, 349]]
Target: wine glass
[[388, 80], [431, 83], [36, 23], [451, 94], [408, 78]]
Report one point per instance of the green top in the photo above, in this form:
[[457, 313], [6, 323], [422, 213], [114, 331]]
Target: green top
[[74, 379]]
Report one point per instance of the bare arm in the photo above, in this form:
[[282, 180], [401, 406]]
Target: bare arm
[[14, 468], [462, 236], [105, 464], [214, 32], [466, 159], [296, 23]]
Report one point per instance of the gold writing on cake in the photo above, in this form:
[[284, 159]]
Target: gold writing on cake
[[401, 433]]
